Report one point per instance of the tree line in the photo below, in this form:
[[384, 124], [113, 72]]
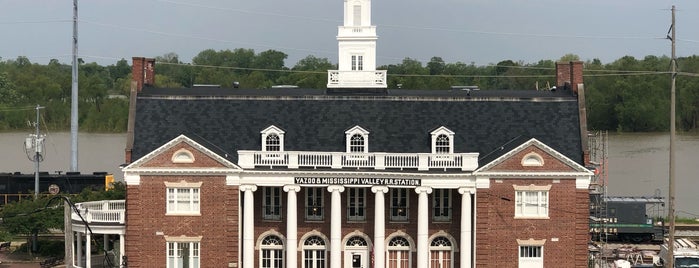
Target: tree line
[[628, 94]]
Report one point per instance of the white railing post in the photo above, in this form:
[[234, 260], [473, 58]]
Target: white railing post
[[293, 160], [336, 161], [423, 162], [380, 159]]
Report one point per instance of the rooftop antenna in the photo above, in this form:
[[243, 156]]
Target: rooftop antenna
[[74, 95], [34, 148]]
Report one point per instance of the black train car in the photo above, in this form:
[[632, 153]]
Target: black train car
[[629, 219], [16, 186]]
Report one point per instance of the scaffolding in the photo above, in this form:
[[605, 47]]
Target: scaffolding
[[599, 229]]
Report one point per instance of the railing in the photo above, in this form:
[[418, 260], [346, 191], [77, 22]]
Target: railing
[[107, 211], [338, 160], [356, 31], [357, 79]]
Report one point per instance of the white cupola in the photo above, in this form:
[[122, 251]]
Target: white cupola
[[357, 50]]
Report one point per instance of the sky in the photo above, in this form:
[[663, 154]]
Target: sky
[[481, 32]]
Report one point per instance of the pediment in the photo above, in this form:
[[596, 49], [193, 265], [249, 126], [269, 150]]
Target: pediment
[[181, 153], [533, 156]]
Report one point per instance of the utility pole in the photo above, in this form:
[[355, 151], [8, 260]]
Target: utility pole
[[74, 95], [34, 148], [671, 195]]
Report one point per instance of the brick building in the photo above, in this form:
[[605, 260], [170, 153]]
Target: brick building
[[356, 175]]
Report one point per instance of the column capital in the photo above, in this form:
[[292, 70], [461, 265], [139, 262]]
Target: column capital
[[248, 187], [377, 189], [423, 189], [292, 187], [338, 188], [467, 190]]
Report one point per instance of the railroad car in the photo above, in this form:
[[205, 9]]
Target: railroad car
[[16, 186]]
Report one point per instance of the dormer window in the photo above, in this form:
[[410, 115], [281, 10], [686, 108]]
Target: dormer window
[[272, 139], [357, 140], [442, 141]]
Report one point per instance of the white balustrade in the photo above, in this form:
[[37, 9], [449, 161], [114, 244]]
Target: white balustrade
[[107, 211], [338, 160]]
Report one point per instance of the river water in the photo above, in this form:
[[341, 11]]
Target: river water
[[637, 166]]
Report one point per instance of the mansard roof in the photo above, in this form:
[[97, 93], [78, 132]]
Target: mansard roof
[[489, 122]]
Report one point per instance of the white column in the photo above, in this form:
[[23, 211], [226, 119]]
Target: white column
[[379, 225], [79, 240], [248, 226], [466, 228], [88, 248], [335, 224], [423, 259], [122, 247], [291, 225]]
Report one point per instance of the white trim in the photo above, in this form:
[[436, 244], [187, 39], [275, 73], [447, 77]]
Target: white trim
[[132, 179], [182, 184], [532, 187], [133, 167], [183, 238], [582, 182], [534, 142], [531, 242]]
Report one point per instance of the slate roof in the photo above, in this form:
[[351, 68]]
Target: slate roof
[[490, 122]]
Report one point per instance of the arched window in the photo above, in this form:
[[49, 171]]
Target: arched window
[[314, 252], [357, 143], [356, 241], [398, 253], [272, 143], [442, 144], [441, 253], [272, 252]]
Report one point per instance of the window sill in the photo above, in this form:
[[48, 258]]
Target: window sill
[[183, 214], [532, 218]]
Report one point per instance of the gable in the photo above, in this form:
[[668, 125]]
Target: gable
[[535, 157], [181, 153], [520, 161]]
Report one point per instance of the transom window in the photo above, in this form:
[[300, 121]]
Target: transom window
[[183, 201], [399, 204], [272, 252], [441, 205], [183, 254], [532, 204], [441, 253], [272, 203], [399, 252], [314, 252], [314, 204], [356, 203], [356, 241]]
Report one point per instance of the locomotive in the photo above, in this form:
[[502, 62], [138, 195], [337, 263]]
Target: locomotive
[[16, 186], [627, 219]]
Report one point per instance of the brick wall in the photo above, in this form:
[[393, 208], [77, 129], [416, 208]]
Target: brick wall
[[498, 230], [147, 225]]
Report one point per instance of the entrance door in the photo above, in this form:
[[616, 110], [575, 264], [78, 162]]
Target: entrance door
[[356, 259]]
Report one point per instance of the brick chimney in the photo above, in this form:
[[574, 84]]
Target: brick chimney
[[569, 74], [143, 72]]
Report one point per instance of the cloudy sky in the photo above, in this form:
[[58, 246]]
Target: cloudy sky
[[470, 31]]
